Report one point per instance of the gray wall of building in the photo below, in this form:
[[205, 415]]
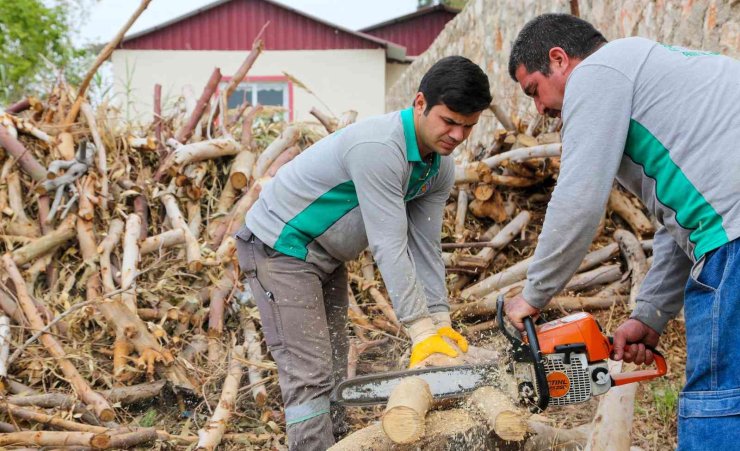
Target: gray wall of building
[[485, 30]]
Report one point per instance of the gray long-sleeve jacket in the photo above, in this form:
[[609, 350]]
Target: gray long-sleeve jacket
[[665, 121], [365, 184]]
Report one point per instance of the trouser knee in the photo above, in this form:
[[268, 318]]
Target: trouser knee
[[309, 425]]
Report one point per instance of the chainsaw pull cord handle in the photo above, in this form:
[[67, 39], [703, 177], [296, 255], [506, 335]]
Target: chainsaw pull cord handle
[[661, 368], [543, 399]]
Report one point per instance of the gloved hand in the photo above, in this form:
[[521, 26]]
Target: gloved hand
[[426, 341], [427, 347], [444, 328]]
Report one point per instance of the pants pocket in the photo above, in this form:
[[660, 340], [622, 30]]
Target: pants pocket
[[706, 404], [269, 314], [265, 300]]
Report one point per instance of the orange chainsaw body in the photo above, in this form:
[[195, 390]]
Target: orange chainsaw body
[[573, 329]]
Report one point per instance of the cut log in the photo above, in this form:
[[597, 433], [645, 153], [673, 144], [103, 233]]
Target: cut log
[[101, 154], [503, 117], [162, 241], [622, 205], [358, 320], [492, 208], [28, 163], [550, 438], [289, 153], [96, 402], [534, 125], [590, 279], [254, 354], [192, 248], [4, 346], [404, 416], [54, 439], [462, 209], [610, 429], [286, 139], [329, 123], [211, 434], [527, 153], [497, 410], [585, 303], [184, 133], [105, 249], [219, 294], [518, 272], [636, 262], [471, 173], [241, 72], [122, 349], [124, 395], [130, 262], [241, 169], [45, 244], [499, 280]]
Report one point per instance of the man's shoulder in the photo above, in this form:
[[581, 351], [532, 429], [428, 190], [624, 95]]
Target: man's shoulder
[[379, 135], [384, 128], [620, 52]]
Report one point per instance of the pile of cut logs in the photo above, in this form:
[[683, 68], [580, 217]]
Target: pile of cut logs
[[119, 282]]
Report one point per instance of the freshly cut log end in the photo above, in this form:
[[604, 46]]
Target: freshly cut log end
[[107, 415], [100, 441], [403, 425], [404, 417], [499, 412]]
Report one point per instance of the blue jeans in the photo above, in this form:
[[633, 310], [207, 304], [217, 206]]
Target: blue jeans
[[709, 405]]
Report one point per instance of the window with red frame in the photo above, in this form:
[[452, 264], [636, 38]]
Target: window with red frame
[[267, 93]]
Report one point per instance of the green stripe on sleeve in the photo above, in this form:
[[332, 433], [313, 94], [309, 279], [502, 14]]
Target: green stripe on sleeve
[[315, 219], [674, 190]]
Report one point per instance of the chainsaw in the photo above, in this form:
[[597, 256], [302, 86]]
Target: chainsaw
[[559, 363]]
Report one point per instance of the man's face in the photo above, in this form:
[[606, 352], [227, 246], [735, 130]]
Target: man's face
[[441, 130], [547, 91]]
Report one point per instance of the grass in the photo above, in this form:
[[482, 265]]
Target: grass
[[148, 419], [665, 396]]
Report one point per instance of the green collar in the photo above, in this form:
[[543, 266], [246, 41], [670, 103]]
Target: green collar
[[409, 132], [421, 171]]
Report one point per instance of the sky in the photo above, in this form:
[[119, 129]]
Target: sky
[[106, 17]]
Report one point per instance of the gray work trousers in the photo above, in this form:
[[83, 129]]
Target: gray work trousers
[[303, 311]]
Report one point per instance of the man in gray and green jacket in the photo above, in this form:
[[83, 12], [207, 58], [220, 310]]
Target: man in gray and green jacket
[[665, 122], [382, 183]]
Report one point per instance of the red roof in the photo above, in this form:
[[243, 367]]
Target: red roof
[[233, 25], [415, 31]]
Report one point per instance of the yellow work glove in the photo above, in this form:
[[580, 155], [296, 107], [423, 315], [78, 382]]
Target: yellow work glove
[[444, 328], [455, 336], [426, 341], [428, 346]]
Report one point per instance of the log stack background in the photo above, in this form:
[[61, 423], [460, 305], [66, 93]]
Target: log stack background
[[126, 321]]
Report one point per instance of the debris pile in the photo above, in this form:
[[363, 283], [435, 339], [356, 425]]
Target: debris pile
[[122, 299]]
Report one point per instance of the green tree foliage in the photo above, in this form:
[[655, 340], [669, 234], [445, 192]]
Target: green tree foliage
[[32, 35]]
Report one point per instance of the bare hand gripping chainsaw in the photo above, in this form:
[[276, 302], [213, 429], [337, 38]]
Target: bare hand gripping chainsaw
[[559, 363]]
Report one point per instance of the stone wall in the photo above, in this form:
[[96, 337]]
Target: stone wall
[[485, 30]]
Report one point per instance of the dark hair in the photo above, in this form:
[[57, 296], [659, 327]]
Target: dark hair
[[532, 47], [458, 83]]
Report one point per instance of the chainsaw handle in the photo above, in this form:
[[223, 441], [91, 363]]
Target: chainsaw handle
[[661, 368]]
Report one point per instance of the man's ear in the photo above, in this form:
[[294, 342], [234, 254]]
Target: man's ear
[[558, 58], [420, 102]]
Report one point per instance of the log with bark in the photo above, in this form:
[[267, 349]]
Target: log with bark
[[404, 416]]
